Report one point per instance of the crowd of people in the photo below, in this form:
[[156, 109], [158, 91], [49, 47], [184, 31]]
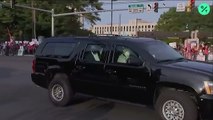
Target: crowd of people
[[15, 48], [200, 52]]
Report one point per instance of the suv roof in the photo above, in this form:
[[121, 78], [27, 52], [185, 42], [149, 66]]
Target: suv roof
[[100, 38], [107, 39]]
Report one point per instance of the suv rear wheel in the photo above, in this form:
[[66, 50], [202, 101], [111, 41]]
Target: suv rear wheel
[[60, 91], [175, 105]]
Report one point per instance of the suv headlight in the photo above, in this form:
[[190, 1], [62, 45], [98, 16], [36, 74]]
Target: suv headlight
[[208, 85]]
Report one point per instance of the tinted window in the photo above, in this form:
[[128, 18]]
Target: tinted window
[[94, 53], [122, 54], [162, 52], [58, 49]]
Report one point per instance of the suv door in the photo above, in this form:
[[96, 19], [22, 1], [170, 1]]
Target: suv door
[[131, 79], [90, 76]]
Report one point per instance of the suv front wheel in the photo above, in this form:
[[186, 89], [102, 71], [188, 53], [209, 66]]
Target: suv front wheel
[[60, 91], [175, 105]]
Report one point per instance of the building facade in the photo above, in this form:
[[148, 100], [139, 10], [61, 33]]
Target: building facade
[[130, 29]]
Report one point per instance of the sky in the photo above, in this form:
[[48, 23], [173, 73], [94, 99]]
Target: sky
[[150, 16]]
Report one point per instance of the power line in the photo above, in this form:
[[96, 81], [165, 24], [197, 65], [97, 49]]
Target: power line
[[121, 2], [142, 1]]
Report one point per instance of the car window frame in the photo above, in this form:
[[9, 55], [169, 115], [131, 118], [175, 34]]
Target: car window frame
[[112, 61], [84, 50], [58, 56]]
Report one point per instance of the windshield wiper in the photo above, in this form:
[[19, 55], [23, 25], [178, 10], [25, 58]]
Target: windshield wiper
[[180, 59], [169, 60]]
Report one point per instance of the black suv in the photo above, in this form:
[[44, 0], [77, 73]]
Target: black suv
[[140, 70]]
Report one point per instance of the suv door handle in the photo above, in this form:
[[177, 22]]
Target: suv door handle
[[80, 67], [111, 71]]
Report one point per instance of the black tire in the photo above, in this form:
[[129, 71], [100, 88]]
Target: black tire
[[60, 91], [183, 101]]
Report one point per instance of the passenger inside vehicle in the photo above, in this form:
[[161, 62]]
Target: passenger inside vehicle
[[124, 56], [93, 53], [96, 55]]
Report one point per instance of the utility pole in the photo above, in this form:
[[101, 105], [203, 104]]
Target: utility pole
[[111, 16], [136, 27], [82, 20], [119, 27], [52, 24], [33, 20]]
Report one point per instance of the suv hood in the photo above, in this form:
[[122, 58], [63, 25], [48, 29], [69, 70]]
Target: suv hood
[[193, 66]]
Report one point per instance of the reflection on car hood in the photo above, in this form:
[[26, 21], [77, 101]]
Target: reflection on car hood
[[191, 65]]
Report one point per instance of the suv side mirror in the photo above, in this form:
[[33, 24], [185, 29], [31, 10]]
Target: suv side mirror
[[134, 61]]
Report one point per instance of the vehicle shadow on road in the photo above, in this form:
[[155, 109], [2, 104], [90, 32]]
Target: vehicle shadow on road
[[78, 99], [99, 109], [95, 111]]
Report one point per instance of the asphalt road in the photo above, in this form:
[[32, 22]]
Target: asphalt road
[[20, 99]]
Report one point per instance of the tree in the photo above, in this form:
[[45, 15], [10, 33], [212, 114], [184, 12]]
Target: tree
[[19, 20], [180, 21]]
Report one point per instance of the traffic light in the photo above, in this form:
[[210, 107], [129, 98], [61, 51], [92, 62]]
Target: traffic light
[[156, 7], [12, 3], [192, 4]]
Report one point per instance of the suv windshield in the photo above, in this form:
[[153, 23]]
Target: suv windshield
[[163, 52]]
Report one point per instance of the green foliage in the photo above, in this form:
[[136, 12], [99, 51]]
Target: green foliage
[[210, 41], [19, 20], [180, 21], [169, 40]]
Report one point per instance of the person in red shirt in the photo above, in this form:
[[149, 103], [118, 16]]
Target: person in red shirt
[[194, 51], [206, 52]]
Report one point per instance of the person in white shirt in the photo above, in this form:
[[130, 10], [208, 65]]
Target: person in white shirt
[[200, 56], [96, 56], [124, 56]]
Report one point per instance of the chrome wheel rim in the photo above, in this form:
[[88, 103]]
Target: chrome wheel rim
[[173, 110], [57, 92]]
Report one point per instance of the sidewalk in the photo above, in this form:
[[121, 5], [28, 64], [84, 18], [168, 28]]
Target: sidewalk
[[29, 55]]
